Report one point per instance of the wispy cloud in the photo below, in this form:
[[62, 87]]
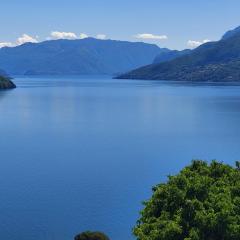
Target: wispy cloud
[[63, 35], [26, 38], [151, 36], [66, 35], [194, 44], [6, 44], [101, 36], [83, 35]]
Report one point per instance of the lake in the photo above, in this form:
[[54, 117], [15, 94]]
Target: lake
[[82, 153]]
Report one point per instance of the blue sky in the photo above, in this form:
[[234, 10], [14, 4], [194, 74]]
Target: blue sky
[[178, 20]]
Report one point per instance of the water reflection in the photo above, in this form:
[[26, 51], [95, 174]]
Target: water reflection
[[83, 153]]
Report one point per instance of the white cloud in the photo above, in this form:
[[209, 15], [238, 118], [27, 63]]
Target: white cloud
[[66, 35], [83, 35], [101, 36], [6, 44], [26, 38], [63, 35], [151, 36], [194, 44]]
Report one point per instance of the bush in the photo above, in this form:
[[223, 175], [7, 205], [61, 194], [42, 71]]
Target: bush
[[91, 236], [202, 202]]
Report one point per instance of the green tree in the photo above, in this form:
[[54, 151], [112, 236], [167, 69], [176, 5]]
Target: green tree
[[6, 83], [91, 236], [202, 202]]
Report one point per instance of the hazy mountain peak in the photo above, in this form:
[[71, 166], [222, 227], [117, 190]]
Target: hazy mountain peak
[[81, 56], [231, 33]]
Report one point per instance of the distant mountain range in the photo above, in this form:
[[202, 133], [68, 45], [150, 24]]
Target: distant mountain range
[[85, 56], [213, 61], [168, 55]]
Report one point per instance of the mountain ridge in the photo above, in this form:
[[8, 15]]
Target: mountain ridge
[[208, 62], [83, 56], [170, 55], [231, 33]]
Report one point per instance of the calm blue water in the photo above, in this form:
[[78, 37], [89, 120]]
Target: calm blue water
[[83, 153]]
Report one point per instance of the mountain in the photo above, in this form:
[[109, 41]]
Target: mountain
[[231, 33], [213, 61], [169, 55], [84, 56]]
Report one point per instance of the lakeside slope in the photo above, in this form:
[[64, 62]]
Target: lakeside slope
[[214, 61]]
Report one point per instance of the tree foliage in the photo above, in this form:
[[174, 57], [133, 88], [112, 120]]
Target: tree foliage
[[202, 202], [91, 236], [6, 83]]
